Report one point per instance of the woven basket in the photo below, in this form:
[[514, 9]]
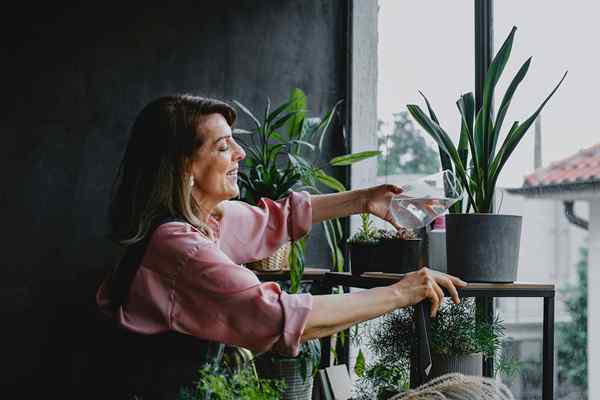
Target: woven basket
[[278, 261]]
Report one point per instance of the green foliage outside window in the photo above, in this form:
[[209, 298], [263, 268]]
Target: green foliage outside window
[[572, 335], [404, 150]]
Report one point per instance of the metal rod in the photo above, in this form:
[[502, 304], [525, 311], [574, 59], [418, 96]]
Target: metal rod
[[548, 349], [485, 311]]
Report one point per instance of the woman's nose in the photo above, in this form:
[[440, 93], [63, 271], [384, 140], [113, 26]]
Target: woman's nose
[[239, 153]]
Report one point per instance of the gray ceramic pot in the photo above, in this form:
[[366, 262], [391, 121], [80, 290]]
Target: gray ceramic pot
[[483, 247], [470, 364]]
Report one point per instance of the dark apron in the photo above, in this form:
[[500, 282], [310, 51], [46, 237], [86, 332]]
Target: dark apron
[[153, 367]]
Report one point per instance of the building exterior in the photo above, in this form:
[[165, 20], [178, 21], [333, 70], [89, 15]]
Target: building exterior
[[570, 187]]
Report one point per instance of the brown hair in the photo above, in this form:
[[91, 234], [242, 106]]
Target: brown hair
[[153, 178]]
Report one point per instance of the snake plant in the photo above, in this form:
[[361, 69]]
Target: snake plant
[[476, 160]]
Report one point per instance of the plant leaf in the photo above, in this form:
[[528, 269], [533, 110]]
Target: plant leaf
[[514, 137], [302, 142], [329, 181], [247, 112], [278, 111], [359, 365], [348, 159], [324, 125], [240, 131], [297, 104], [281, 121], [491, 79], [444, 158], [506, 100], [442, 139]]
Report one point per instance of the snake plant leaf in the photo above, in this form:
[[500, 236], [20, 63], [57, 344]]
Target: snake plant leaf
[[466, 107], [329, 181], [443, 141], [491, 79], [506, 100], [248, 113], [348, 159], [444, 158], [298, 106], [515, 136]]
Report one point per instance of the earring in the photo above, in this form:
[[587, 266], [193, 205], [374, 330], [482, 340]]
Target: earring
[[191, 180]]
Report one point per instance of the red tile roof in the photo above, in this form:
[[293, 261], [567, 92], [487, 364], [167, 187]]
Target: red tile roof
[[581, 167]]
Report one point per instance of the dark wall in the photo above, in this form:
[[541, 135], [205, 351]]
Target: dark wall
[[74, 79]]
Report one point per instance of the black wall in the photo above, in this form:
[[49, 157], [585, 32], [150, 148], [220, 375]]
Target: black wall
[[74, 79]]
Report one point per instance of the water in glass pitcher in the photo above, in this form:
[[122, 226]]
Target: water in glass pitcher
[[417, 212]]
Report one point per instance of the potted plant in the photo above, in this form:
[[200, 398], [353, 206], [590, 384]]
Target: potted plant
[[459, 340], [492, 239], [218, 383], [297, 373], [283, 150], [283, 153], [383, 250]]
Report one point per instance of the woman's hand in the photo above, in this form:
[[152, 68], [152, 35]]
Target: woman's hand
[[377, 202], [427, 284]]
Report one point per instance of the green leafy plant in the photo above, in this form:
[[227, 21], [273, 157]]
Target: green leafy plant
[[283, 154], [457, 330], [217, 383], [572, 335], [476, 160], [367, 233]]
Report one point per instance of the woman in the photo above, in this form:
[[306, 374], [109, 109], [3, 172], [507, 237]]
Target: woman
[[181, 163]]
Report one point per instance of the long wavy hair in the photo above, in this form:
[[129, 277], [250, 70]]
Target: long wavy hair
[[153, 178]]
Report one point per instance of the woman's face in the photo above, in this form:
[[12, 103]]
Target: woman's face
[[215, 163]]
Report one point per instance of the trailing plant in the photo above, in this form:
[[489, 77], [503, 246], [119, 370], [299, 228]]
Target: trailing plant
[[283, 154], [457, 330], [218, 383], [477, 161]]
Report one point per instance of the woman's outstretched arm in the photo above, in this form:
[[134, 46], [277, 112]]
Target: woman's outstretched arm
[[374, 200], [333, 313]]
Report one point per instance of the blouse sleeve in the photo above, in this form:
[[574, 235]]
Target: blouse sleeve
[[216, 299], [249, 233]]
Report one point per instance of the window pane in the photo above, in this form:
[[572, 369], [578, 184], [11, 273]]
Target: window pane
[[427, 47], [559, 38]]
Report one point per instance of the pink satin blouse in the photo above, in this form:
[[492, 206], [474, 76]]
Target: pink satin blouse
[[193, 285]]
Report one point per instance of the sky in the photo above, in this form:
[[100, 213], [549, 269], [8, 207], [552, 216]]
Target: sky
[[429, 46]]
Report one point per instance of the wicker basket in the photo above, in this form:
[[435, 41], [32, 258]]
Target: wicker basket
[[278, 261]]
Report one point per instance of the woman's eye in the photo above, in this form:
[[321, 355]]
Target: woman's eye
[[224, 148]]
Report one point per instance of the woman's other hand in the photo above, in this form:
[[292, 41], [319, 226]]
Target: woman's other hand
[[427, 284], [377, 202]]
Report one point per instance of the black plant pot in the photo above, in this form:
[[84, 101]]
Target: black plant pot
[[483, 247], [387, 255]]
